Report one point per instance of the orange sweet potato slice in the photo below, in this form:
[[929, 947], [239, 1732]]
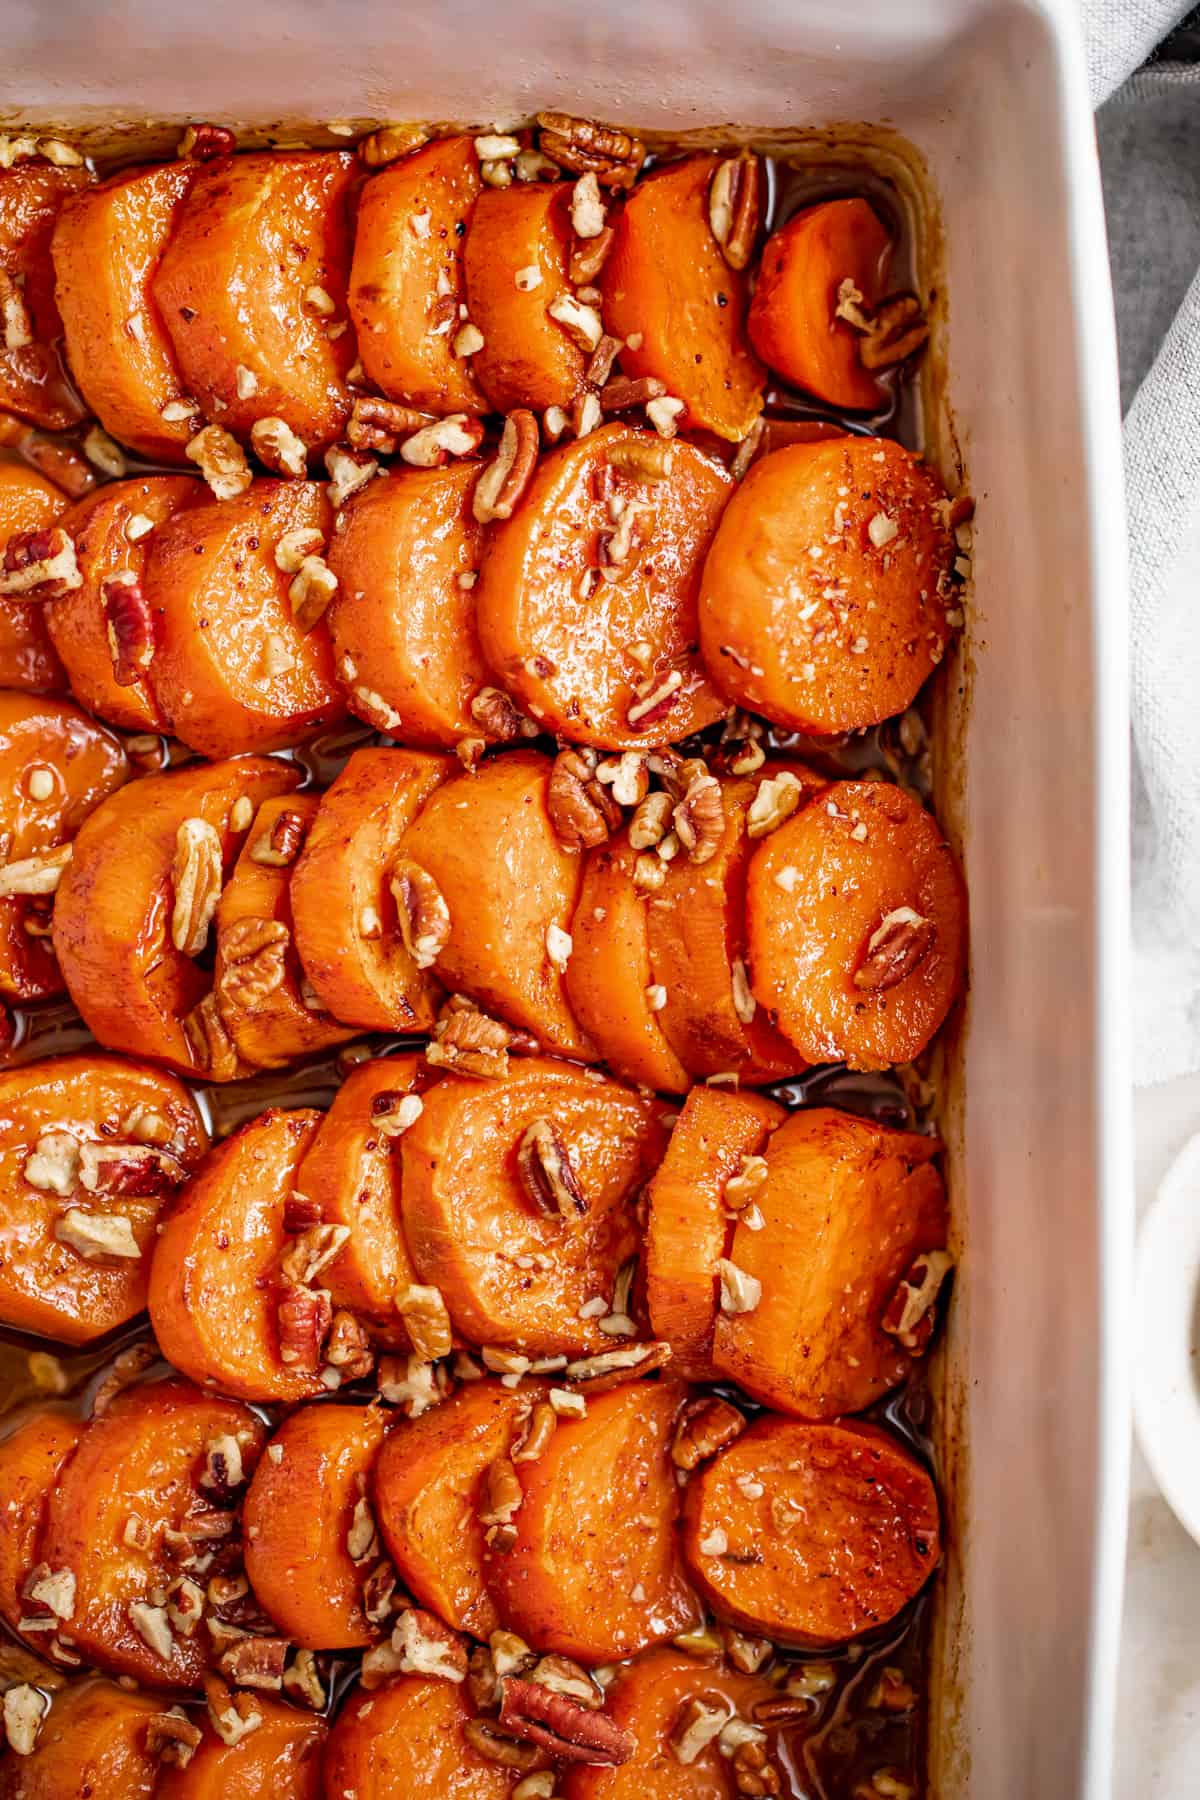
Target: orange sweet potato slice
[[253, 279], [406, 280], [793, 321], [667, 284], [689, 1223], [347, 920], [280, 1757], [428, 1482], [513, 1269], [221, 1305], [298, 1517], [857, 926], [839, 1536], [30, 1460], [144, 1459], [91, 1147], [92, 1746], [28, 501], [594, 1573], [258, 982], [487, 842], [527, 357], [408, 1738], [609, 980], [234, 668], [114, 913], [32, 378], [403, 619], [107, 245], [826, 598], [112, 528], [587, 600], [844, 1209]]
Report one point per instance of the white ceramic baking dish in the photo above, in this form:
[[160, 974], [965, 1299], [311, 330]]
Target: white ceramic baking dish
[[992, 95]]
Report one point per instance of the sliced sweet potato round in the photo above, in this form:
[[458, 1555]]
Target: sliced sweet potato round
[[234, 666], [406, 280], [280, 1757], [91, 1147], [30, 1460], [587, 599], [407, 1738], [221, 1303], [857, 926], [689, 1223], [403, 619], [594, 1573], [809, 1534], [845, 1207], [33, 381], [107, 245], [351, 1175], [609, 980], [667, 286], [92, 1746], [143, 1460], [129, 908], [652, 1699], [826, 599], [28, 501], [793, 321], [517, 1199], [527, 358], [427, 1488], [298, 1518], [487, 843], [258, 982], [351, 909], [103, 630], [251, 283]]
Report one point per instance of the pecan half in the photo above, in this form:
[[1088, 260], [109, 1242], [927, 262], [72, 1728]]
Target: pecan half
[[427, 1647], [212, 1048], [897, 329], [570, 1732], [172, 1738], [896, 948], [196, 882], [909, 1315], [280, 846], [535, 1435], [421, 911], [303, 1318], [255, 1662], [311, 590], [311, 1251], [390, 143], [502, 1494], [503, 483], [700, 818], [129, 627], [254, 953], [495, 712], [585, 147], [545, 1172], [469, 1041], [426, 1320], [642, 457], [40, 565], [379, 424], [705, 1426], [581, 811], [348, 1348], [735, 204], [775, 799], [622, 392]]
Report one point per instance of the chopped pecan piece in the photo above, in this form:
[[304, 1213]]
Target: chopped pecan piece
[[35, 875], [562, 1676], [469, 1041], [643, 458], [378, 424], [536, 1434], [589, 255], [172, 1738], [896, 331], [279, 847], [311, 1251], [212, 1048], [204, 143], [303, 1317], [421, 910], [581, 811], [196, 882], [700, 818], [746, 1653], [705, 1426], [40, 565], [585, 147], [390, 143], [25, 1707], [698, 1725], [545, 1171], [502, 485], [426, 1320], [302, 1681], [495, 712], [612, 1367], [427, 1647], [571, 1732], [255, 1662], [655, 698], [348, 1348], [909, 1316], [623, 393], [896, 947], [494, 1747], [221, 460], [458, 434], [776, 799], [232, 1716], [129, 625], [735, 202], [501, 1499]]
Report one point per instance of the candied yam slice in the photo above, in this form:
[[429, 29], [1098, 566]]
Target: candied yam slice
[[258, 982], [115, 905], [810, 1534], [826, 599], [427, 1488], [527, 358], [91, 1147], [794, 323], [844, 1209], [28, 501], [587, 598], [234, 668], [281, 1757], [108, 242], [104, 628], [403, 619], [33, 381], [30, 1460], [689, 1223], [220, 1304], [347, 921], [487, 842], [594, 1573], [253, 284], [857, 926], [92, 1746], [609, 980], [667, 286], [407, 1738], [299, 1515], [143, 1459], [406, 279], [514, 1270]]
